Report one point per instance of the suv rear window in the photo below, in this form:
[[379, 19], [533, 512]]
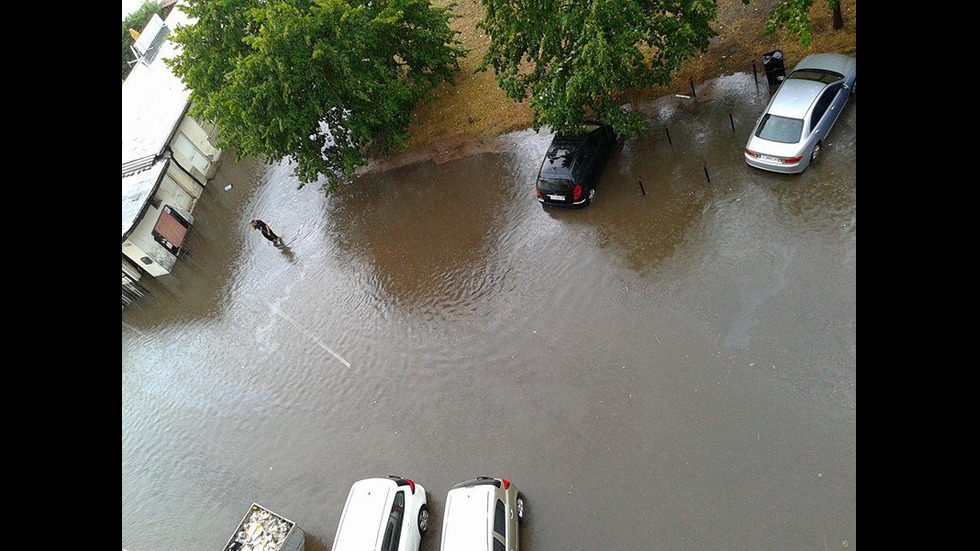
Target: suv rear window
[[554, 185]]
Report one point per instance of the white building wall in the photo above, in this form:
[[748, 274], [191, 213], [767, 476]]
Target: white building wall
[[141, 248], [177, 189], [140, 244], [196, 149]]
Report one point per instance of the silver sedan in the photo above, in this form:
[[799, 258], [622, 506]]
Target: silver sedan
[[789, 134]]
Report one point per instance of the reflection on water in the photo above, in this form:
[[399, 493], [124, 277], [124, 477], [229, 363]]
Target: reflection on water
[[429, 234], [685, 359]]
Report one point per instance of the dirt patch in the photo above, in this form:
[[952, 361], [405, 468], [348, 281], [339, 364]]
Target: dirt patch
[[465, 118]]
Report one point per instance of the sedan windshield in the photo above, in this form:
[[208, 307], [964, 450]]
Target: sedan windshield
[[780, 129]]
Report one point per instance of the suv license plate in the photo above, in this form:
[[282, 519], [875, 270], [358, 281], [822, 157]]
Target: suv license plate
[[556, 197]]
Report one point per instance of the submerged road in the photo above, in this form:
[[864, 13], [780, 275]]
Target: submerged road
[[669, 371]]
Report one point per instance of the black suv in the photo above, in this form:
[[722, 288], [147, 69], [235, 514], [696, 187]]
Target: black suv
[[571, 168]]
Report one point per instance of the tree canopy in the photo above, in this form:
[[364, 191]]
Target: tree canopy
[[136, 21], [571, 59], [314, 81], [794, 17]]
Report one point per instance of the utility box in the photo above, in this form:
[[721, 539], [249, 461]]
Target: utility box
[[263, 530], [775, 70]]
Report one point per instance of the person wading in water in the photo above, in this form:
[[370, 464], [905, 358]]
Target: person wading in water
[[266, 232]]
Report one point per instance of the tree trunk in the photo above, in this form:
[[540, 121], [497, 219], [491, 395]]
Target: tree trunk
[[838, 18]]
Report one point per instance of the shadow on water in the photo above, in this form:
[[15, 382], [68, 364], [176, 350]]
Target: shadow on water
[[287, 253]]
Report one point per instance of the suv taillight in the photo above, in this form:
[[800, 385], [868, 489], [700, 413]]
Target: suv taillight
[[411, 485], [576, 195], [540, 196], [506, 483]]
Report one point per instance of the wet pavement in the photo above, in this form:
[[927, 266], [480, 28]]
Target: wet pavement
[[669, 371]]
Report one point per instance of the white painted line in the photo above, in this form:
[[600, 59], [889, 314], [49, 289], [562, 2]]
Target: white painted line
[[310, 335], [134, 329]]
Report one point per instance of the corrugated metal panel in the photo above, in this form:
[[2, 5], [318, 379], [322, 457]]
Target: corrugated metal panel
[[136, 191]]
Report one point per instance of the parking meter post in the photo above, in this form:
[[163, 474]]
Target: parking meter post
[[755, 73], [643, 191], [731, 119], [705, 167], [693, 93], [667, 129]]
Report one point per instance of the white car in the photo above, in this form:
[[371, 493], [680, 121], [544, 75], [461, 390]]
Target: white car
[[788, 136], [383, 514], [483, 514]]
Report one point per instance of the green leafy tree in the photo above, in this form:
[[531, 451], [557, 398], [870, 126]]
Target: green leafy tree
[[794, 17], [314, 81], [137, 21], [571, 58]]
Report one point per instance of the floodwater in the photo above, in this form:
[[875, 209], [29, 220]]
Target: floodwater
[[668, 371]]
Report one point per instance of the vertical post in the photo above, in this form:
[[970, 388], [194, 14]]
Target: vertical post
[[667, 129], [692, 88], [731, 119], [639, 181], [705, 167], [755, 74]]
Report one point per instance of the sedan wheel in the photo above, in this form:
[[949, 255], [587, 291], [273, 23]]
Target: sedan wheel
[[591, 195], [423, 519], [521, 511], [816, 151]]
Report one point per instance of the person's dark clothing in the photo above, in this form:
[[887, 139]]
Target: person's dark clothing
[[266, 231]]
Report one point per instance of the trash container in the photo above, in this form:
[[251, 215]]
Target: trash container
[[775, 70]]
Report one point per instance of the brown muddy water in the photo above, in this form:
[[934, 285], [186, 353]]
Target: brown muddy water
[[669, 371]]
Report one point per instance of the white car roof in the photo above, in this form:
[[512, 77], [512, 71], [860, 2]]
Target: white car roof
[[468, 519], [837, 63], [365, 515], [794, 97]]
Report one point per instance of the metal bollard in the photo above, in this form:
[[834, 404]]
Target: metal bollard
[[667, 129], [705, 167]]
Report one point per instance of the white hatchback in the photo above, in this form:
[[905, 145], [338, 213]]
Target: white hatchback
[[483, 514], [383, 514]]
